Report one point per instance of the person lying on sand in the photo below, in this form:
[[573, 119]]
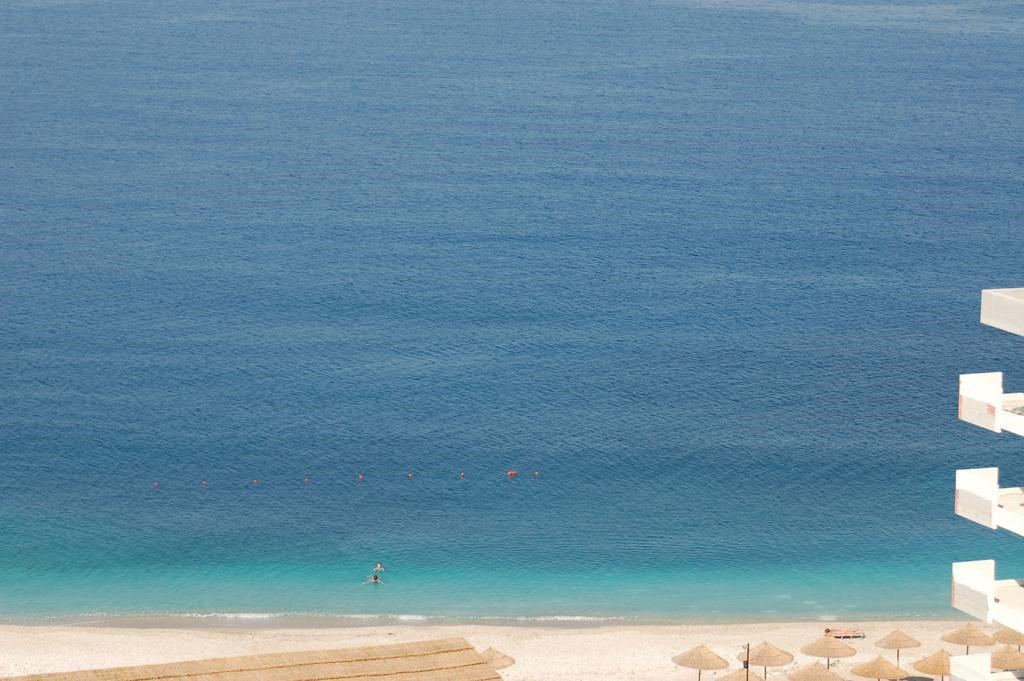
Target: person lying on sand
[[844, 633]]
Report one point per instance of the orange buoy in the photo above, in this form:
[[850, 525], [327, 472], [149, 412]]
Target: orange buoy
[[512, 474], [462, 475], [360, 477]]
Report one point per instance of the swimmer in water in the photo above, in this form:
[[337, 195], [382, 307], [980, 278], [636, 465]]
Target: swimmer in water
[[374, 579], [379, 567]]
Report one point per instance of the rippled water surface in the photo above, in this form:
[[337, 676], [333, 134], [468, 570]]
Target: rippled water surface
[[710, 269]]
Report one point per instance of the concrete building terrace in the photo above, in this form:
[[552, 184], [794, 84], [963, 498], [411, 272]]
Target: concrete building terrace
[[983, 402]]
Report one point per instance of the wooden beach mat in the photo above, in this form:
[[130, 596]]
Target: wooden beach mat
[[451, 659]]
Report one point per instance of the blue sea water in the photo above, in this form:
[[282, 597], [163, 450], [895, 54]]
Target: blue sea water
[[711, 269]]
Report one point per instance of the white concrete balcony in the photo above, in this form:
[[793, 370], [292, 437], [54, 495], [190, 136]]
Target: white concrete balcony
[[977, 592], [978, 668], [979, 498], [984, 404], [1003, 308]]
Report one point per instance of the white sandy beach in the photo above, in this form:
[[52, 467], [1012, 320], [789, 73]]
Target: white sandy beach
[[551, 653]]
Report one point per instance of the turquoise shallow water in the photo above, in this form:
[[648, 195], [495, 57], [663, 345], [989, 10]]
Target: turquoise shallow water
[[711, 270], [520, 593]]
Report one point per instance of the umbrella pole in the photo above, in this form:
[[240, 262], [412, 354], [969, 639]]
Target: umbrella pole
[[746, 663], [698, 675], [897, 657]]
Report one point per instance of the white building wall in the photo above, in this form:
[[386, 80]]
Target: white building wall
[[979, 498]]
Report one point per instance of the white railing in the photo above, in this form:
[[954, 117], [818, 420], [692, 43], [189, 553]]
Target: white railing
[[979, 498], [984, 404], [970, 667], [977, 495], [1003, 308], [978, 667], [974, 588], [977, 592]]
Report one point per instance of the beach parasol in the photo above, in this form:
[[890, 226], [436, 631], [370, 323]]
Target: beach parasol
[[814, 672], [879, 668], [936, 664], [1009, 637], [828, 648], [700, 658], [898, 639], [1007, 658], [497, 659], [765, 655], [969, 635], [741, 675]]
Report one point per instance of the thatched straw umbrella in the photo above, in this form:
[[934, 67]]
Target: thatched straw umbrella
[[969, 635], [814, 672], [898, 639], [879, 668], [828, 648], [765, 655], [700, 658], [497, 660], [1009, 637], [936, 664], [1008, 658]]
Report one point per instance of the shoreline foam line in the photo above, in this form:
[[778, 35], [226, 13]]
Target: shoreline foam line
[[268, 620]]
